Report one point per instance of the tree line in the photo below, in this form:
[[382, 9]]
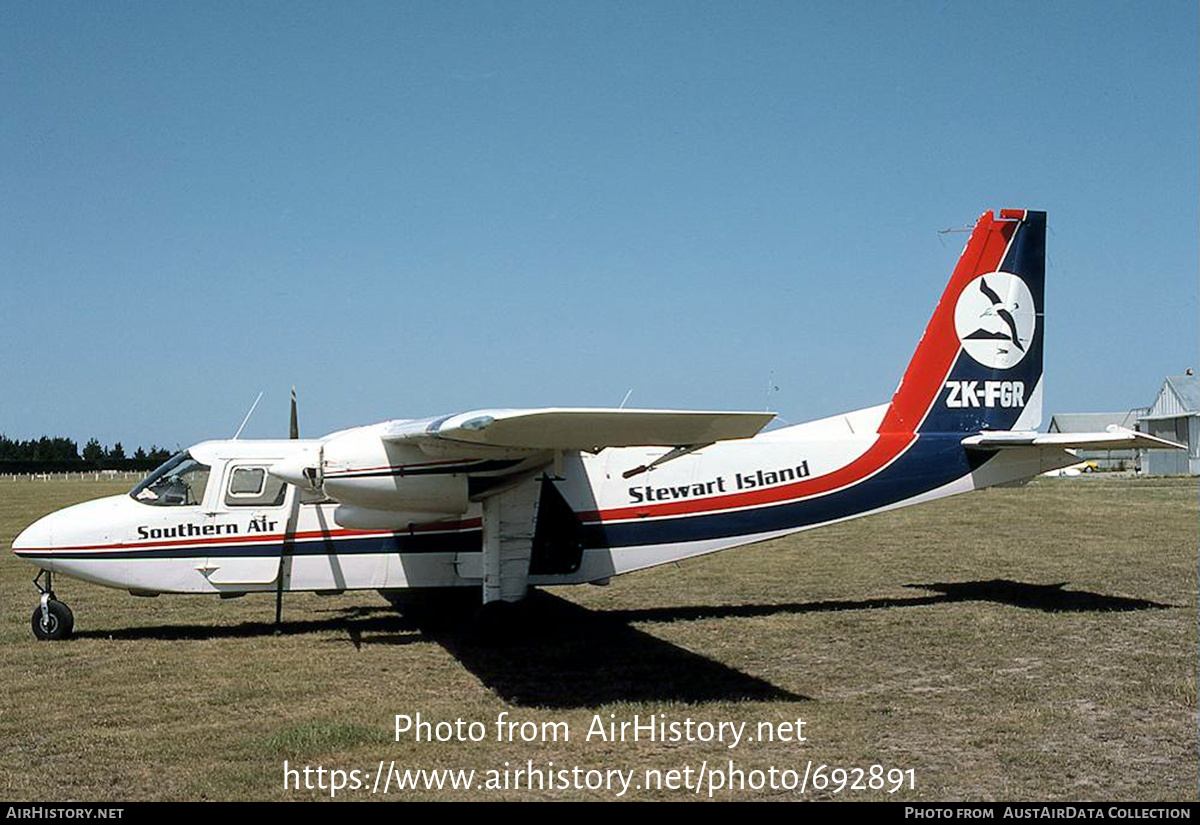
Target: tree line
[[60, 454]]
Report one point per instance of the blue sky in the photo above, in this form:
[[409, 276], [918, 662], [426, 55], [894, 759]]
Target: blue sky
[[414, 208]]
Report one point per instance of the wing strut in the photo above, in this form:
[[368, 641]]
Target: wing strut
[[678, 452]]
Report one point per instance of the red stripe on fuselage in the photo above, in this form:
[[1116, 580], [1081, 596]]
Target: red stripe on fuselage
[[886, 449], [239, 539]]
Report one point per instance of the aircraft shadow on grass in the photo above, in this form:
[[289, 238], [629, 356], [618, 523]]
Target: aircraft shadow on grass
[[554, 653], [1050, 598]]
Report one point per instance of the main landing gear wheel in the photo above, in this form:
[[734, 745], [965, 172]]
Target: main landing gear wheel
[[52, 621]]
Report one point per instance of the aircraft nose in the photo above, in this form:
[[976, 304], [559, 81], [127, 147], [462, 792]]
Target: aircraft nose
[[36, 538], [86, 524]]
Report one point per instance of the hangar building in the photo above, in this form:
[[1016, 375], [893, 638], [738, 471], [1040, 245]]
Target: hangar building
[[1174, 415], [1096, 423]]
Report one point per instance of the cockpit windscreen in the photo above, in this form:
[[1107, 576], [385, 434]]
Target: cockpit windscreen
[[180, 481]]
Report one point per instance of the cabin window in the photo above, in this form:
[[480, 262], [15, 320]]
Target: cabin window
[[254, 487], [179, 482], [247, 481]]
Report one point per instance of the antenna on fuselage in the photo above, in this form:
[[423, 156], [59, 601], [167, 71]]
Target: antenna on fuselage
[[772, 387], [247, 418]]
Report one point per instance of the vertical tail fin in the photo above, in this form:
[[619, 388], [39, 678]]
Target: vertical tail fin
[[979, 364]]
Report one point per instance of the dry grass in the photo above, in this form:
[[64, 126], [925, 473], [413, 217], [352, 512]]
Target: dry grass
[[936, 639]]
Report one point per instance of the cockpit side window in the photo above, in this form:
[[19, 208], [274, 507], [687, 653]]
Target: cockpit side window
[[247, 481], [252, 486], [179, 482]]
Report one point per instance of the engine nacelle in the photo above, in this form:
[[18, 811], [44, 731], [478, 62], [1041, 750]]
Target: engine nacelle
[[443, 495], [361, 470], [362, 518]]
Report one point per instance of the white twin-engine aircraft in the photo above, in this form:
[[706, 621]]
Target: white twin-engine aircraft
[[507, 499]]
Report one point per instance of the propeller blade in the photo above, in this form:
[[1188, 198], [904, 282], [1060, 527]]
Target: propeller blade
[[294, 431]]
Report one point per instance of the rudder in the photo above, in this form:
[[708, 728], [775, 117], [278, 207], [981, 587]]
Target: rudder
[[979, 364]]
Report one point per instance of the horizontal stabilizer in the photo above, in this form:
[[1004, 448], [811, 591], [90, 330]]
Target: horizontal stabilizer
[[1114, 438], [580, 429]]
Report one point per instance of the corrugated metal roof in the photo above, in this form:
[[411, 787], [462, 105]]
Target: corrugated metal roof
[[1187, 387], [1180, 395], [1093, 422]]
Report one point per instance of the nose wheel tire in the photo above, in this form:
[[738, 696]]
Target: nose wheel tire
[[55, 623]]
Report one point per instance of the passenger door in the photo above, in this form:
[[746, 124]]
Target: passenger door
[[256, 504]]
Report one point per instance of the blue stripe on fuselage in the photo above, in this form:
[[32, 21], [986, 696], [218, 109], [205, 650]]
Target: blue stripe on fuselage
[[359, 545], [933, 461]]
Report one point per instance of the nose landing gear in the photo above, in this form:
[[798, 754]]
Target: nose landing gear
[[52, 620]]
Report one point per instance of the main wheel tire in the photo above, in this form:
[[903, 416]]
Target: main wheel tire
[[57, 626]]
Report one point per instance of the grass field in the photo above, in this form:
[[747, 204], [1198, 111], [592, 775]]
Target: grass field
[[1014, 644]]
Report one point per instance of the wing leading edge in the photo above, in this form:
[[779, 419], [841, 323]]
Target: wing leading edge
[[592, 429]]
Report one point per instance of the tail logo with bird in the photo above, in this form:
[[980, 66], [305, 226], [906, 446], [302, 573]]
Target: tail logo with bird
[[995, 319]]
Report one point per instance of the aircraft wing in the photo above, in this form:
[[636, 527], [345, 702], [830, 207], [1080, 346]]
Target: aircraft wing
[[577, 428], [1114, 438]]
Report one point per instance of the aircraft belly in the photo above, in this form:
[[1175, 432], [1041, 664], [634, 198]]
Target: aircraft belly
[[237, 571], [629, 559], [372, 571], [174, 575], [423, 570], [332, 572]]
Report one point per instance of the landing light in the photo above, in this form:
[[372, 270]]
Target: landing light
[[481, 422]]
